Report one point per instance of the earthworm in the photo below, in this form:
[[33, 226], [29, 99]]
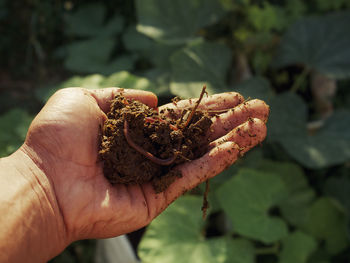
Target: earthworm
[[145, 153]]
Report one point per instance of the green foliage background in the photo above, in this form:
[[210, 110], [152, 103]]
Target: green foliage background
[[287, 201]]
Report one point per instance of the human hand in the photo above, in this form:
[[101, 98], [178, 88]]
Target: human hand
[[63, 141]]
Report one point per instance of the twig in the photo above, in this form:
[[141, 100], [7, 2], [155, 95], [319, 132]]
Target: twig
[[195, 107], [205, 205], [145, 153]]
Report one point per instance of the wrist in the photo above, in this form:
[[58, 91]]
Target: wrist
[[31, 220]]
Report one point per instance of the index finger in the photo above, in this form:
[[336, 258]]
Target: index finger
[[216, 102]]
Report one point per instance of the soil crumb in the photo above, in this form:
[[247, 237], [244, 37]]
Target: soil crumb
[[140, 144]]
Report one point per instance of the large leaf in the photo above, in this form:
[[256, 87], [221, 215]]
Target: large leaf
[[326, 222], [257, 88], [200, 63], [121, 63], [127, 80], [329, 146], [88, 21], [300, 196], [247, 198], [297, 247], [176, 21], [13, 129], [339, 188], [287, 118], [319, 43], [177, 236], [267, 17], [287, 125], [157, 53], [89, 56]]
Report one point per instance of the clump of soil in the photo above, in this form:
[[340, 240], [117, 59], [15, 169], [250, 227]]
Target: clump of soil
[[140, 144]]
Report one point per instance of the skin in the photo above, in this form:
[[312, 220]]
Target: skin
[[53, 191]]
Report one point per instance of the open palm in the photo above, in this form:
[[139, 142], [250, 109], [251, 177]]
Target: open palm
[[64, 141]]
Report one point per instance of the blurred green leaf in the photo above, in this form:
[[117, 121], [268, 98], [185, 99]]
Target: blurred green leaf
[[339, 188], [261, 61], [290, 173], [267, 17], [300, 196], [295, 208], [121, 63], [296, 8], [13, 129], [64, 257], [319, 43], [288, 115], [247, 198], [329, 146], [198, 64], [113, 27], [86, 21], [89, 56], [89, 21], [297, 247], [176, 21], [157, 53], [177, 236], [136, 41], [255, 87], [320, 256], [326, 222], [325, 5]]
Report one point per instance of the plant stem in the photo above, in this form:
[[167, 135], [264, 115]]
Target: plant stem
[[205, 205], [273, 250], [300, 79]]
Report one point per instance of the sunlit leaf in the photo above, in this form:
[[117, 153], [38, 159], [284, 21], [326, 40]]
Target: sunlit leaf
[[127, 80], [319, 43], [177, 235], [267, 17], [300, 196], [122, 79], [297, 247], [176, 21], [247, 197], [157, 53], [200, 63]]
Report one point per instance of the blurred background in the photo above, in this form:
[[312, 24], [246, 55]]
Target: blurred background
[[287, 201]]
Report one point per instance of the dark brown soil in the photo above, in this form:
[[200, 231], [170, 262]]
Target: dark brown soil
[[140, 144]]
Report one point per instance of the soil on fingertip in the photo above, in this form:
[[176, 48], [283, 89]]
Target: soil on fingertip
[[140, 144]]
